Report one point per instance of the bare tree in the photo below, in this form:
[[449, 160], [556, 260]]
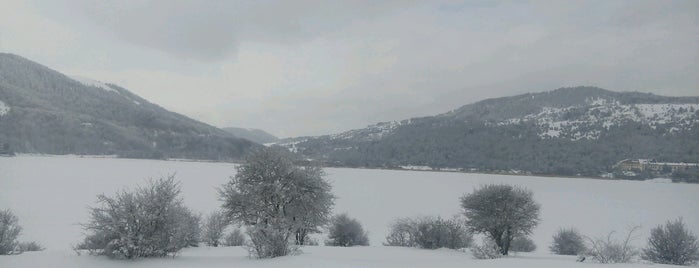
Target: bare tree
[[503, 212], [276, 201]]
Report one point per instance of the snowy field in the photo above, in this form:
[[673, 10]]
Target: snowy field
[[50, 195]]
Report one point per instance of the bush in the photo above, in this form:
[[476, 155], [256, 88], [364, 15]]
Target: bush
[[486, 250], [402, 234], [522, 244], [346, 232], [9, 231], [502, 212], [30, 246], [277, 200], [147, 222], [234, 239], [433, 233], [610, 250], [429, 233], [568, 242], [213, 230], [672, 244]]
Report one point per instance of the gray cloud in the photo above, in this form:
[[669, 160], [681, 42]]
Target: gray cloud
[[213, 30]]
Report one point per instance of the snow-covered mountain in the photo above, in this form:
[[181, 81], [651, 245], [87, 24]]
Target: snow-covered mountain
[[44, 111], [582, 130]]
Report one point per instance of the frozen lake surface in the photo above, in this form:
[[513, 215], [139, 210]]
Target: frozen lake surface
[[50, 195]]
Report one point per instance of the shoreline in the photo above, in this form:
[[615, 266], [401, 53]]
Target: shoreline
[[422, 169]]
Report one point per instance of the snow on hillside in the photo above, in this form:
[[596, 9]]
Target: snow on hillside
[[93, 83], [50, 202], [4, 108], [580, 122], [372, 132]]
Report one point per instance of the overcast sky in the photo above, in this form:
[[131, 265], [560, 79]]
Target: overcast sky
[[318, 67]]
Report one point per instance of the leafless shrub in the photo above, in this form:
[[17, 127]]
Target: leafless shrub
[[610, 250]]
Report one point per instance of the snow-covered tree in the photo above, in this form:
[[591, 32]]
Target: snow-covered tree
[[672, 244], [502, 212], [215, 225], [9, 231], [346, 232], [277, 200], [149, 221]]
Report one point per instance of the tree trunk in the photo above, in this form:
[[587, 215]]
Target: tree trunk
[[300, 237], [505, 248]]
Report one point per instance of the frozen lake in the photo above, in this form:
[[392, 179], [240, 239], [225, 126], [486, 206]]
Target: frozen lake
[[50, 195]]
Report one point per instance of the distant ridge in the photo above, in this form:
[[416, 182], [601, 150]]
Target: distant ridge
[[568, 131], [256, 135], [44, 111]]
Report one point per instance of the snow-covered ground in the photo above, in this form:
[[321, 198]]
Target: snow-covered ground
[[50, 195], [322, 257]]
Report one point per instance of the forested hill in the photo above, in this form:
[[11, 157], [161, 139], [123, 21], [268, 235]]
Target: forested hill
[[568, 131], [44, 111]]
